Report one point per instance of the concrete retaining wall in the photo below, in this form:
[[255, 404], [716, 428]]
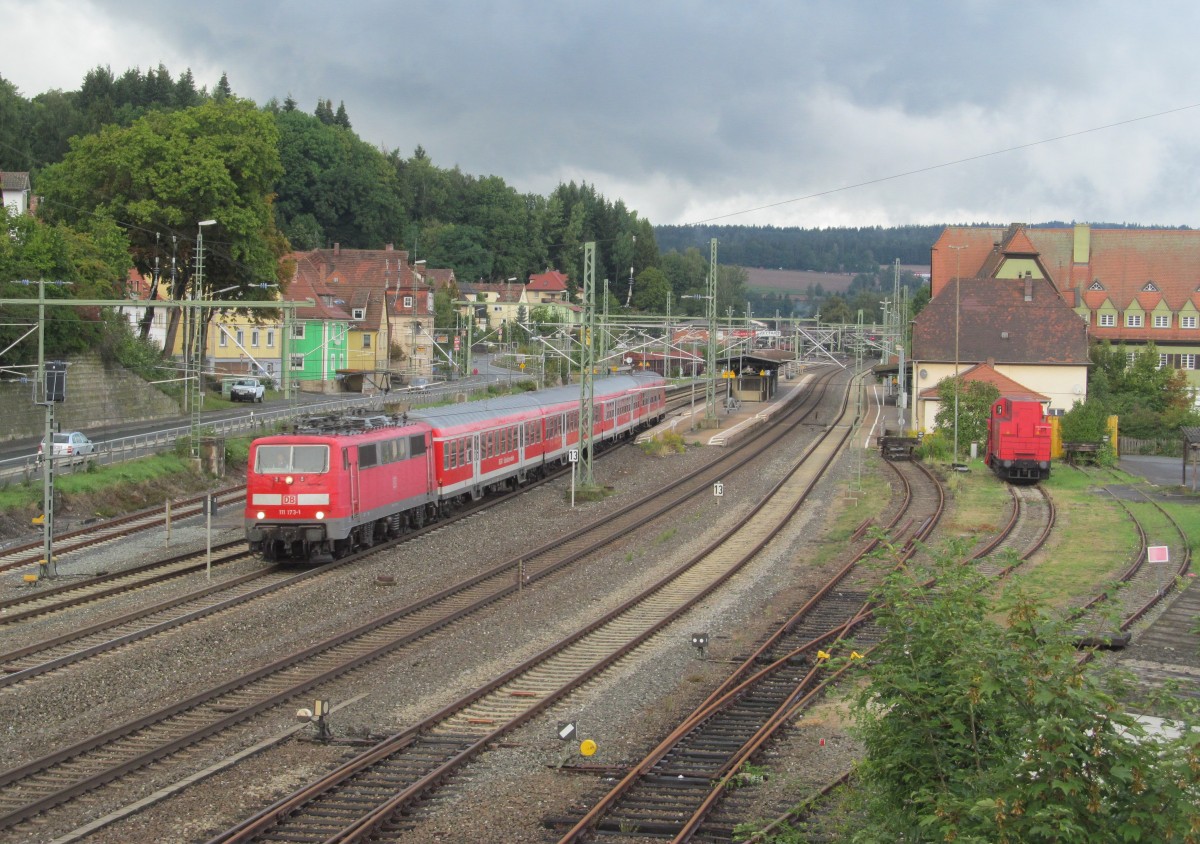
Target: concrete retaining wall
[[97, 395]]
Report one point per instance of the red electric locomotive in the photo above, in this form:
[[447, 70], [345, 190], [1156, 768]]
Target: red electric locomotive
[[1018, 447], [335, 484], [344, 482]]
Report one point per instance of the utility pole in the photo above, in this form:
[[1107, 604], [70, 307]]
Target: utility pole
[[957, 296], [51, 381], [587, 360], [710, 383]]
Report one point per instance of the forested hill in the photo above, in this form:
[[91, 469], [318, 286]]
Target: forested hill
[[850, 250]]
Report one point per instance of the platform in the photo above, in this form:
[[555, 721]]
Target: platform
[[737, 421]]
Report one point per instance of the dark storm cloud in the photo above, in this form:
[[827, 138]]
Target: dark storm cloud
[[690, 110]]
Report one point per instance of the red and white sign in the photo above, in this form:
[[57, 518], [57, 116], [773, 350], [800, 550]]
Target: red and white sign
[[1158, 554]]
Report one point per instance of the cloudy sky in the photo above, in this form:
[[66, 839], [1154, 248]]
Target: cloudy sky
[[751, 112]]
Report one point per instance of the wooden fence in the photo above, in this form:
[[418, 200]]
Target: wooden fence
[[1168, 448]]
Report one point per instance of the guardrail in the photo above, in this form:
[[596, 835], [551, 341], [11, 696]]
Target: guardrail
[[139, 445]]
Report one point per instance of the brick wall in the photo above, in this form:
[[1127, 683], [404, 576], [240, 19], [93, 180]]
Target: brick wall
[[97, 395]]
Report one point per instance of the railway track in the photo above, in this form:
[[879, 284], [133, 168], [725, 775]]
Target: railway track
[[35, 788], [677, 785], [113, 530], [685, 789], [1031, 519], [1107, 619], [375, 792], [22, 664]]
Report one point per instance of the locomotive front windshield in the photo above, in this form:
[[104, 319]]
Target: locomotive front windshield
[[295, 459]]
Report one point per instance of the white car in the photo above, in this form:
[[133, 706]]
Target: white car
[[246, 389], [70, 444]]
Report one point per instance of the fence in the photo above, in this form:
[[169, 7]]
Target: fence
[[1165, 448]]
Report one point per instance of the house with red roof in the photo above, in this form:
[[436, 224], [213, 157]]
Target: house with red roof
[[995, 302], [929, 400], [1132, 286], [386, 304]]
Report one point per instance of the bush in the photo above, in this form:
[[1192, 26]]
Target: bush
[[935, 448], [660, 445]]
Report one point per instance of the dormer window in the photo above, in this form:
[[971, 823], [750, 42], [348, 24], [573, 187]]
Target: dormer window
[[359, 313], [1149, 287], [1096, 285]]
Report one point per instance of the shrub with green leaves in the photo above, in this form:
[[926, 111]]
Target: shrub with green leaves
[[980, 725]]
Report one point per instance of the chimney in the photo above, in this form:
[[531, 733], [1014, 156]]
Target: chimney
[[389, 247], [1028, 287], [337, 249]]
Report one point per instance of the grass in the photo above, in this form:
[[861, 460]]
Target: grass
[[981, 502], [118, 481], [1093, 541]]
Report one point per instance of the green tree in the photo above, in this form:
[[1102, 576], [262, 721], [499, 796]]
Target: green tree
[[95, 262], [461, 247], [981, 725], [975, 399], [1151, 400], [334, 188], [651, 290], [168, 171], [1085, 422]]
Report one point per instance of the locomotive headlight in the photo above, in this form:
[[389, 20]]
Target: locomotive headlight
[[260, 515], [288, 479], [320, 514]]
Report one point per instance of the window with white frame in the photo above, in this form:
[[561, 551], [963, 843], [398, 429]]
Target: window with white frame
[[297, 361], [1133, 320], [366, 341], [1108, 320], [254, 338], [270, 338], [1187, 322], [408, 302], [1130, 357], [1187, 361], [224, 340], [359, 313], [241, 337], [1163, 360], [1162, 320], [298, 331]]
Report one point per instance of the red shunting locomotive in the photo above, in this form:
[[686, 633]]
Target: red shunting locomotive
[[1018, 446]]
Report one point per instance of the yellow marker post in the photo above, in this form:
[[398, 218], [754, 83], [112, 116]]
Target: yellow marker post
[[587, 747]]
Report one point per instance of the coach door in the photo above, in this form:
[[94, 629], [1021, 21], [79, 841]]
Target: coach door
[[350, 463], [476, 460]]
